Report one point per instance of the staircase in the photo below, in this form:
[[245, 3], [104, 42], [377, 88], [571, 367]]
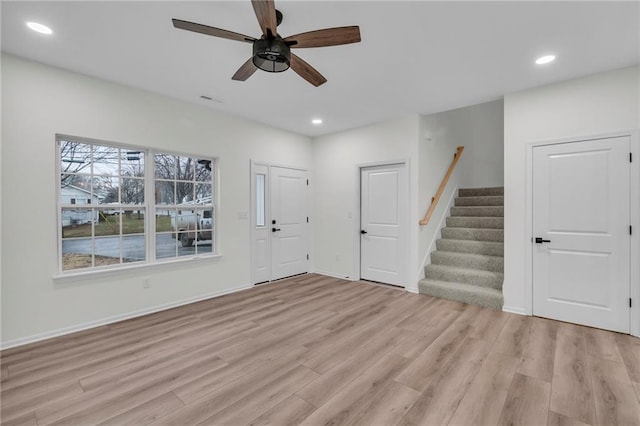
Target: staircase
[[468, 263]]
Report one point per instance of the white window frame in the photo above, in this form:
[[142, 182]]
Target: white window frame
[[149, 206]]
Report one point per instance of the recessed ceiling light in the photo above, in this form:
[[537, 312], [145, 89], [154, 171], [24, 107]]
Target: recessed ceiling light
[[545, 59], [39, 28], [316, 121]]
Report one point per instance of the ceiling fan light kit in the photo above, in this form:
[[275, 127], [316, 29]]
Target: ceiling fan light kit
[[271, 52], [271, 55]]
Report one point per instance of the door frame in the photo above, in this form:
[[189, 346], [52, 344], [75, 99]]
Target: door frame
[[254, 164], [634, 189], [405, 214]]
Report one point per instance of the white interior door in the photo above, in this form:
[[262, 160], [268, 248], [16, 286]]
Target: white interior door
[[383, 205], [581, 271]]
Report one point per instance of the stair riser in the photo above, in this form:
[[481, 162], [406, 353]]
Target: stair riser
[[479, 201], [475, 222], [468, 277], [493, 263], [478, 211], [474, 247], [496, 235], [494, 301], [480, 192]]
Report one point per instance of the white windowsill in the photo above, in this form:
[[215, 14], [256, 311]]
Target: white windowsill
[[75, 276]]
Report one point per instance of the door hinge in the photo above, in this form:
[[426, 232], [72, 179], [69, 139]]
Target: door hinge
[[307, 182], [629, 302], [631, 157], [307, 219], [630, 230], [307, 257]]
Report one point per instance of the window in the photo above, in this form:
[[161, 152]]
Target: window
[[184, 208], [260, 199], [120, 184]]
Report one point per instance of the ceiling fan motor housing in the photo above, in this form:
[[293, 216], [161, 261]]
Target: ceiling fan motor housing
[[271, 54]]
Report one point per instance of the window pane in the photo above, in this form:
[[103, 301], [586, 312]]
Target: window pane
[[203, 193], [185, 168], [133, 248], [260, 212], [204, 222], [108, 224], [165, 192], [164, 218], [165, 166], [133, 221], [75, 157], [204, 247], [184, 192], [106, 190], [132, 191], [105, 161], [132, 163], [203, 170], [166, 246], [107, 250], [76, 223], [186, 244], [77, 254]]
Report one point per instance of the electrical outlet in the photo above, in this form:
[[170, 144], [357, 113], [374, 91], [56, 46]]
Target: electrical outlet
[[146, 283]]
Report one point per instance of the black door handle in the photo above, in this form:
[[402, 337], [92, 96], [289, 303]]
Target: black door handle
[[539, 240], [363, 232], [275, 229]]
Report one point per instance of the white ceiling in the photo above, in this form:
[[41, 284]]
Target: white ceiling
[[415, 57]]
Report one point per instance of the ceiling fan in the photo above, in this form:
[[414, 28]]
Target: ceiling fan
[[271, 52]]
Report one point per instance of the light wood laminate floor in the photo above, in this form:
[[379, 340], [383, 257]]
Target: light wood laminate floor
[[316, 350]]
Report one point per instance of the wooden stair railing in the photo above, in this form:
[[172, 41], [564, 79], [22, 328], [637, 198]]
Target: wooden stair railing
[[436, 198]]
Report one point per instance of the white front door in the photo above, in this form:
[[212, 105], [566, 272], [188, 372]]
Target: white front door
[[289, 216], [383, 204], [279, 220], [581, 219]]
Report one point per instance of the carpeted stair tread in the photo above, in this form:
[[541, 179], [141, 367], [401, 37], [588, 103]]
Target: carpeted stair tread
[[468, 263], [464, 275], [476, 234], [490, 200], [475, 222], [479, 192], [489, 248], [468, 260], [483, 211], [461, 292]]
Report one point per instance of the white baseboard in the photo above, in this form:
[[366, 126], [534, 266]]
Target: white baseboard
[[412, 290], [332, 275], [116, 318], [515, 310]]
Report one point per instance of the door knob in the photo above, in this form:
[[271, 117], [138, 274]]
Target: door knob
[[539, 240], [363, 232], [275, 229]]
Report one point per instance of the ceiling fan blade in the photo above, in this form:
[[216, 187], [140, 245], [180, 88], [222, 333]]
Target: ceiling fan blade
[[306, 71], [212, 31], [266, 14], [326, 37], [245, 71]]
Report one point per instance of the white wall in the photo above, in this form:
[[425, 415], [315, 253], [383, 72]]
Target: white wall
[[591, 105], [39, 101], [480, 129], [335, 182]]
